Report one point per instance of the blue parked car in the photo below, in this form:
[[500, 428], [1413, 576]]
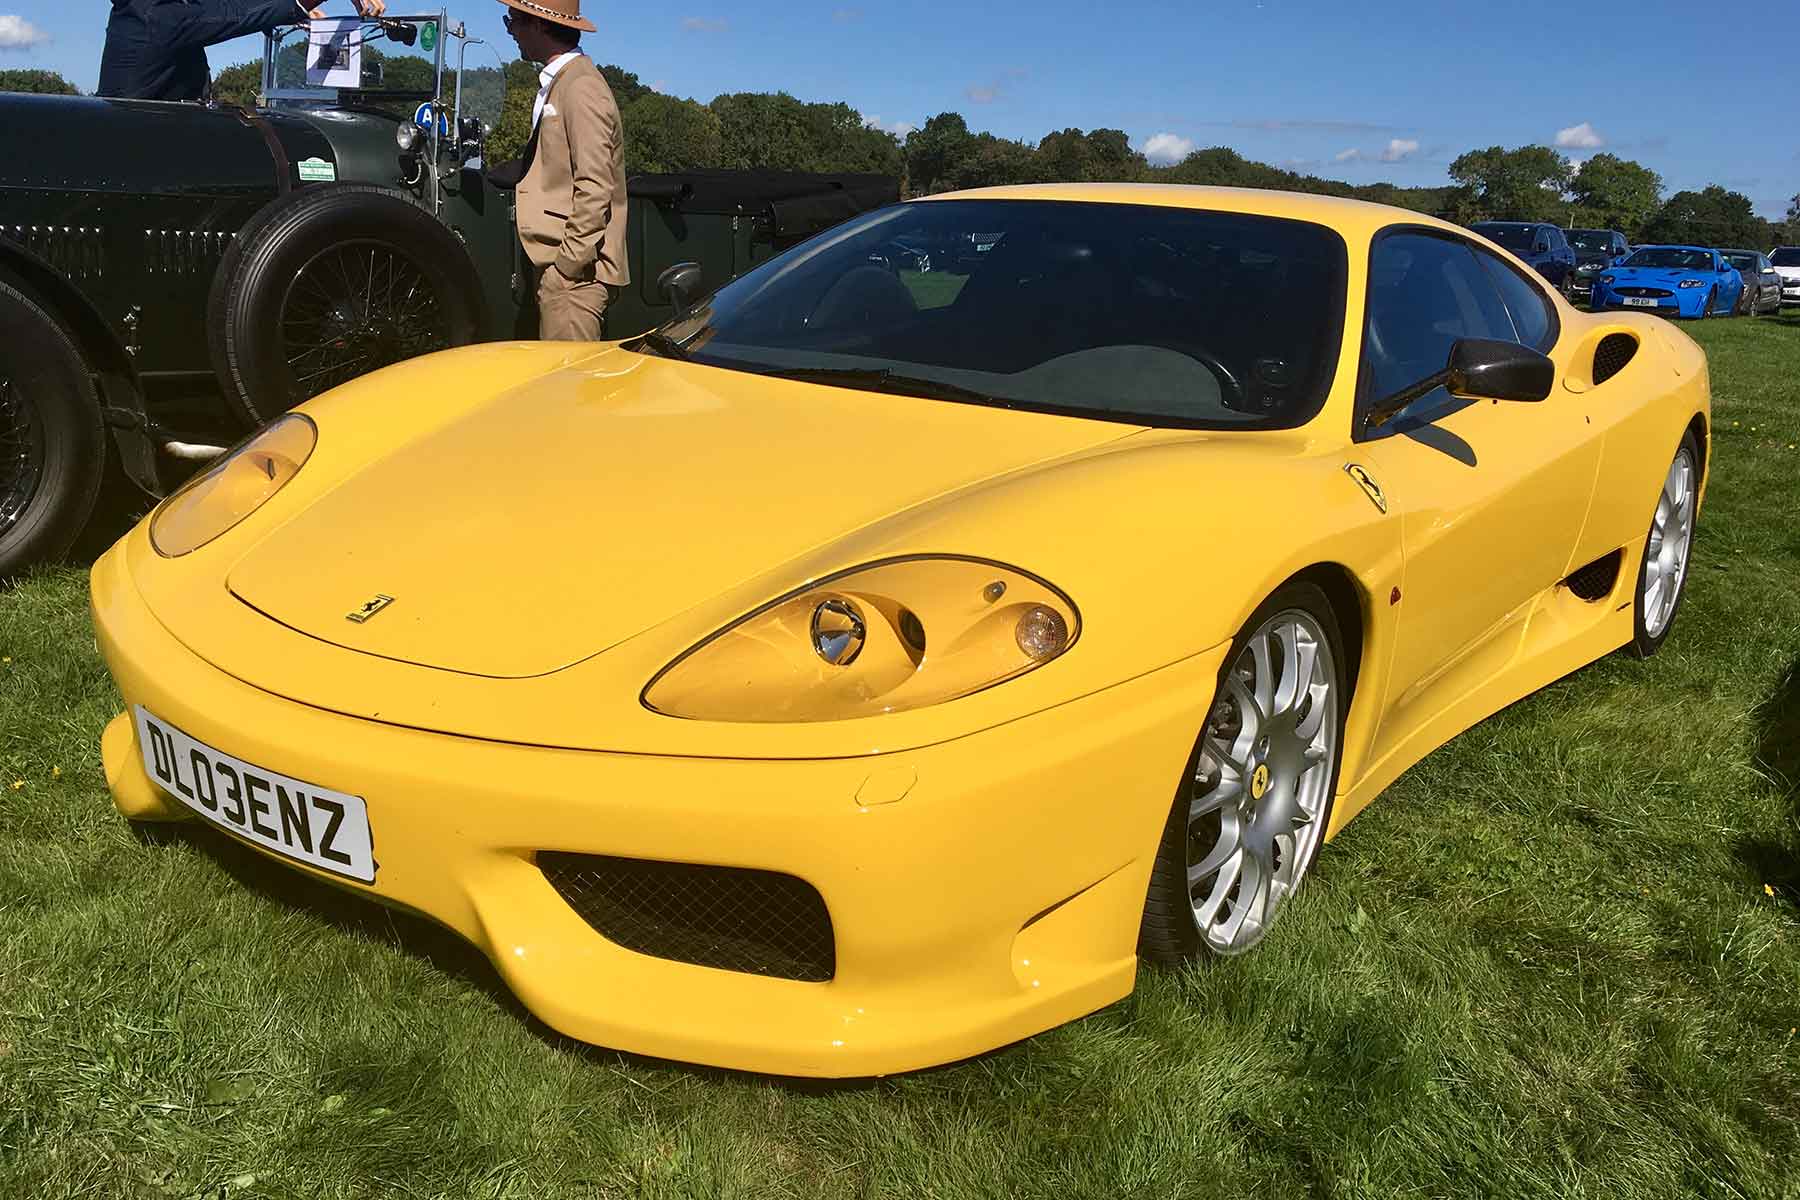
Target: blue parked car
[[1542, 246], [1674, 281]]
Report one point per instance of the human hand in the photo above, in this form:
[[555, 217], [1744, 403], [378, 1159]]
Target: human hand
[[371, 8]]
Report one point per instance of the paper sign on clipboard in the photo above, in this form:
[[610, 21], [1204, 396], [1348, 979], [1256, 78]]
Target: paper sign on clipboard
[[334, 52]]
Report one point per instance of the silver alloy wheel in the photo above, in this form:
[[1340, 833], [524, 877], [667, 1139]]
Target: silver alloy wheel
[[1262, 781], [1671, 536]]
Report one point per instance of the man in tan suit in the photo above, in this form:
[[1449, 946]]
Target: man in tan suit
[[571, 198]]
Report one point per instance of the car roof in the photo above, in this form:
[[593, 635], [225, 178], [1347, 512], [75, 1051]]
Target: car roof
[[1334, 211], [1674, 246]]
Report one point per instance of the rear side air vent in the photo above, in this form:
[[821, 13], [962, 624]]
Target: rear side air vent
[[1595, 581], [1611, 355]]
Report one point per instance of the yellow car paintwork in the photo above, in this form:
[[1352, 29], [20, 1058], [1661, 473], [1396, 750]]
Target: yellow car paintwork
[[558, 523]]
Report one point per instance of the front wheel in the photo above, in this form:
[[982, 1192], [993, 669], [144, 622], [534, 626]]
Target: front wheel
[[1663, 570], [52, 439], [1255, 800]]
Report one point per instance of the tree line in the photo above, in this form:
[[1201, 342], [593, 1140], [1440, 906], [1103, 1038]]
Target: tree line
[[774, 130]]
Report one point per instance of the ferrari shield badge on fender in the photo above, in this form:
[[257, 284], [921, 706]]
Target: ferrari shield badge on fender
[[373, 605], [1368, 485]]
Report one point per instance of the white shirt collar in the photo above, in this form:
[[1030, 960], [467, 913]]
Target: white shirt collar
[[545, 78]]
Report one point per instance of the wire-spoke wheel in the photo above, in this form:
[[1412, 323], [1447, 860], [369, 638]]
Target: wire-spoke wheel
[[1249, 817], [1662, 574], [21, 452], [352, 308]]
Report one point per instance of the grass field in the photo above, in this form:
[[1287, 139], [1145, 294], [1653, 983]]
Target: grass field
[[1559, 957]]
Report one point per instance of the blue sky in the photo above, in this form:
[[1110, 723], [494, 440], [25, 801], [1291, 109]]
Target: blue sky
[[1384, 89]]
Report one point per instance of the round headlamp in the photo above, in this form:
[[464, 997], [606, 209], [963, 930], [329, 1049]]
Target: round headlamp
[[407, 136], [235, 486]]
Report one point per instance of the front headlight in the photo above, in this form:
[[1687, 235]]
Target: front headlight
[[1688, 283], [234, 487], [886, 637]]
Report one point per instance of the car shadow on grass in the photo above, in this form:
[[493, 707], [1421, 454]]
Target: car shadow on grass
[[1776, 861], [446, 950]]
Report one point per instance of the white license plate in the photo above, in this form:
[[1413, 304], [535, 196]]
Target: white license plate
[[295, 819], [1638, 301]]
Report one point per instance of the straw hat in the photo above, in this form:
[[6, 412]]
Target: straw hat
[[563, 12]]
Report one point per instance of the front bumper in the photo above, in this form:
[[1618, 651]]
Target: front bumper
[[980, 890], [1687, 303], [1790, 292]]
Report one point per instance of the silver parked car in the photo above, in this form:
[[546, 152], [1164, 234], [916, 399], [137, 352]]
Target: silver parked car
[[1762, 283], [1787, 265]]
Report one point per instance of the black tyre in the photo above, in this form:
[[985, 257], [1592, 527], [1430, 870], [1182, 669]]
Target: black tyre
[[1255, 798], [52, 437], [330, 283], [1663, 567]]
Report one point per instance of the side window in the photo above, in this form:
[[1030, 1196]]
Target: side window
[[1425, 293], [1533, 322]]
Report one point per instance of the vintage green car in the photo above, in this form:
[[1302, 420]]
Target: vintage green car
[[173, 274]]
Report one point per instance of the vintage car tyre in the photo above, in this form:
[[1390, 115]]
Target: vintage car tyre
[[328, 283], [1653, 615], [1276, 775], [52, 436]]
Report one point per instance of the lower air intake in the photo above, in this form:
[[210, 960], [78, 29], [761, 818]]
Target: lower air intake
[[1611, 355], [734, 918], [1595, 581]]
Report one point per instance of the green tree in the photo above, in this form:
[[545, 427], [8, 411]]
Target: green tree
[[664, 133], [1713, 216], [513, 129], [624, 84], [1615, 193], [44, 83], [937, 153], [1526, 184], [238, 84]]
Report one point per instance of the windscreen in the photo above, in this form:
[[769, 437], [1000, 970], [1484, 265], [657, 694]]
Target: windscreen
[[1137, 313], [1513, 237], [1787, 256], [1743, 262], [1671, 258], [1594, 241], [391, 64]]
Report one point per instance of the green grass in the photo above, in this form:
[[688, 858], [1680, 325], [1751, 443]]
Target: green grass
[[1546, 962]]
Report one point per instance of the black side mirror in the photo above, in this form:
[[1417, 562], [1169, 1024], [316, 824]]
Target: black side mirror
[[1486, 369], [680, 283], [1479, 369]]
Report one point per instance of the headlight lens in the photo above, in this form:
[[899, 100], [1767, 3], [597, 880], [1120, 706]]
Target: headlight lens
[[890, 636], [234, 487], [407, 135], [1688, 283]]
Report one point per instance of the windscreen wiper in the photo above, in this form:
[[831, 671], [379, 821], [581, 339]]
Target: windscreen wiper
[[881, 379], [665, 345]]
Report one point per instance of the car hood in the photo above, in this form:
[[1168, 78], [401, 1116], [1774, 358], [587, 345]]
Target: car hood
[[563, 517], [1592, 259], [1655, 275]]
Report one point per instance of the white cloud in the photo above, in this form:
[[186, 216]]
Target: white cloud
[[1350, 155], [1580, 137], [705, 24], [983, 95], [1399, 150], [898, 128], [16, 33], [1167, 149]]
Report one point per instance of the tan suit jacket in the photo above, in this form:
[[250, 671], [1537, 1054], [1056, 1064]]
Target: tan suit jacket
[[571, 200]]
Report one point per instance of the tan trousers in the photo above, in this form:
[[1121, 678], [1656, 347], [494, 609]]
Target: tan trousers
[[569, 312]]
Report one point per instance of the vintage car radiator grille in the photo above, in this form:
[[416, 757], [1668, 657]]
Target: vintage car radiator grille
[[1656, 293], [738, 919], [1611, 355], [183, 251], [78, 251]]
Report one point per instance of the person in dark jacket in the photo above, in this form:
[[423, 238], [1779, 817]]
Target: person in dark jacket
[[156, 49]]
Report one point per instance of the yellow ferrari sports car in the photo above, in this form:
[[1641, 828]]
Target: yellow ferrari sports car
[[867, 668]]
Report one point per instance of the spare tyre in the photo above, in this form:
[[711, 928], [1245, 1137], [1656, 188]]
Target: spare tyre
[[52, 439], [329, 283]]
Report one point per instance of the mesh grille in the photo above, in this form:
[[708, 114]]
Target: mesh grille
[[757, 922], [1595, 581], [1611, 355]]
